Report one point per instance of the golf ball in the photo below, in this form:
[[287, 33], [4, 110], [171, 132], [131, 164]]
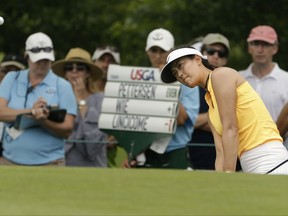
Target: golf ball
[[1, 20]]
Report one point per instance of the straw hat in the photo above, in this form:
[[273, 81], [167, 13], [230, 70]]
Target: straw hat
[[77, 55]]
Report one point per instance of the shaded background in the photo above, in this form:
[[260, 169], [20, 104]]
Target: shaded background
[[126, 24]]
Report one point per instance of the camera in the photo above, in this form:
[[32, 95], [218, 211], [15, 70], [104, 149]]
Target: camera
[[56, 114]]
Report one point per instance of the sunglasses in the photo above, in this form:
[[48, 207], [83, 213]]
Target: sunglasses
[[221, 53], [38, 49], [78, 67]]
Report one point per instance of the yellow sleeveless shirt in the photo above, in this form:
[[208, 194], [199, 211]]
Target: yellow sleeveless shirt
[[255, 124]]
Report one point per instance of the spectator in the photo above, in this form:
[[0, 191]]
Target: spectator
[[103, 57], [216, 46], [264, 75], [197, 43], [81, 72], [106, 55], [174, 151], [32, 91], [159, 43], [282, 124], [202, 156], [11, 62], [240, 123]]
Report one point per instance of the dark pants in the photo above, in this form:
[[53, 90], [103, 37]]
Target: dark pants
[[202, 157], [176, 159]]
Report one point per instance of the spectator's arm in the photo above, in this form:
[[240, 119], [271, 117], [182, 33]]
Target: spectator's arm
[[7, 114], [282, 121], [63, 129], [182, 115]]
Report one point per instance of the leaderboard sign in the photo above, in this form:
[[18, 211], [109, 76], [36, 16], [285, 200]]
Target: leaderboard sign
[[136, 101]]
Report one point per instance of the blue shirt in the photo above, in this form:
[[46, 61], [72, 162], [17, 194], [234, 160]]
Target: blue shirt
[[189, 98], [35, 146]]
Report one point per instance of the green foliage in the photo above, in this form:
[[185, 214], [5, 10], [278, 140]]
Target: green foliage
[[126, 24]]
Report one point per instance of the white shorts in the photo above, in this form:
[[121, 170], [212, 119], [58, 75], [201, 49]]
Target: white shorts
[[270, 157]]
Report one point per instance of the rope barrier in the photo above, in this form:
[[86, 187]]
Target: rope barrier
[[89, 141], [202, 144], [107, 142]]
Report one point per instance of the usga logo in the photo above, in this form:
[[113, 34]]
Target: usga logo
[[142, 74]]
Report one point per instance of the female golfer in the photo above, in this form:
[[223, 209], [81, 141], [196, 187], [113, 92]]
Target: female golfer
[[239, 120]]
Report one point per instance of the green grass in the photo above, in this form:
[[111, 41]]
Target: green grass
[[90, 191]]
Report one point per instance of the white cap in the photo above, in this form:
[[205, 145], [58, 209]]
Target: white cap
[[166, 73], [161, 38], [39, 40], [107, 49], [213, 38], [197, 45]]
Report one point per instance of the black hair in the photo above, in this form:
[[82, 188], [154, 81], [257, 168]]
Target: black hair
[[207, 64]]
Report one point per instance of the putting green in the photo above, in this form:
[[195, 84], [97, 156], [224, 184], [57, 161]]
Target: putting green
[[91, 191]]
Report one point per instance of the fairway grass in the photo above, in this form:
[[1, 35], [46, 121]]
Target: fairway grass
[[91, 191]]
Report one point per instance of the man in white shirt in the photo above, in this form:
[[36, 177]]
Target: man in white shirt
[[265, 76]]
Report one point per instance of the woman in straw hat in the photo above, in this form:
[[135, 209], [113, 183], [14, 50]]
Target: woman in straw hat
[[81, 72], [240, 123]]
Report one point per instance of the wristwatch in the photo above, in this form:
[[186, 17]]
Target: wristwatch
[[82, 103]]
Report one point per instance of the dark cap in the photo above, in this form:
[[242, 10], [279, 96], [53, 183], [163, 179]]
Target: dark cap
[[13, 60]]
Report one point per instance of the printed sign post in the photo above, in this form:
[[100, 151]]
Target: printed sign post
[[137, 108]]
